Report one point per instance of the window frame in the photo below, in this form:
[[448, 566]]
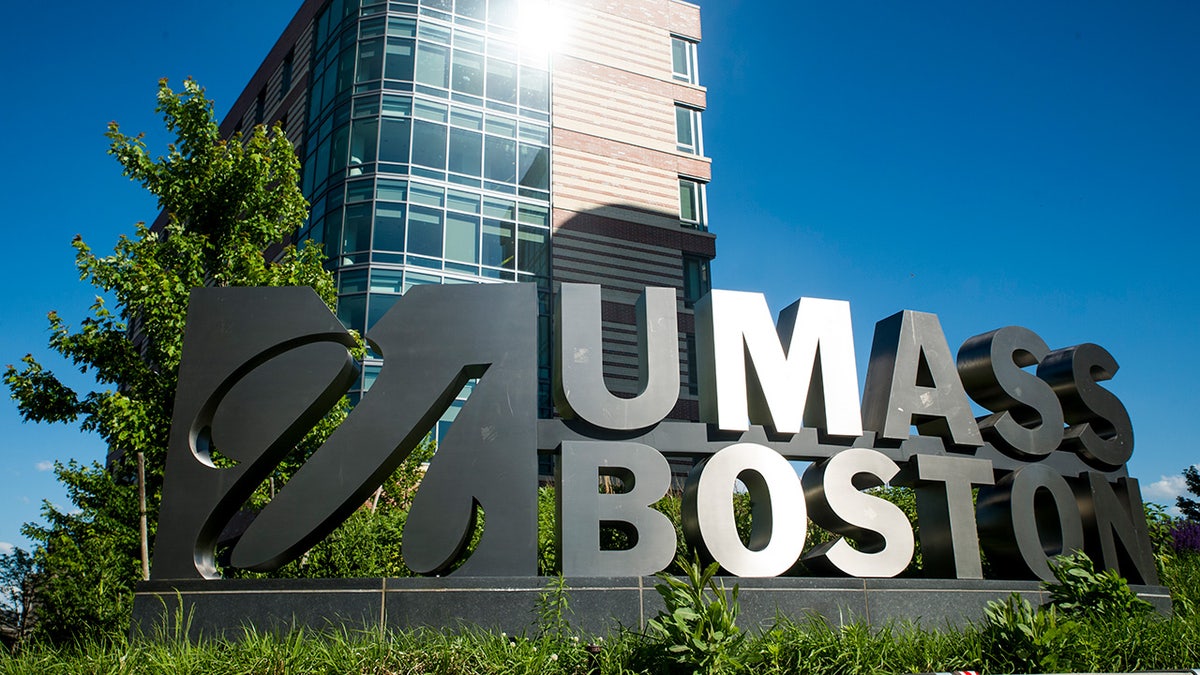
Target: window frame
[[260, 106], [696, 147], [700, 222], [691, 293], [691, 73], [286, 75]]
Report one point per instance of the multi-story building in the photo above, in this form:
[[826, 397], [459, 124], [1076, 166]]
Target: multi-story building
[[480, 141]]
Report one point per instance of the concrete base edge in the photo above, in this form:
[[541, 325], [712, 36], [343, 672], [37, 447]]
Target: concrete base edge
[[599, 606]]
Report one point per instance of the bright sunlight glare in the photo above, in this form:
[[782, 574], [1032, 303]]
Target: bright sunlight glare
[[542, 27]]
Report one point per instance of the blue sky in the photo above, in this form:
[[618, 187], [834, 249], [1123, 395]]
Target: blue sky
[[1024, 163]]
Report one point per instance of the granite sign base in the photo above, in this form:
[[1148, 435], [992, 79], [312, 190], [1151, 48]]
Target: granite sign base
[[599, 606]]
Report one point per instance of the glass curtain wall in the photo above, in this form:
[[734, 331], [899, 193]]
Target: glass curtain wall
[[428, 155]]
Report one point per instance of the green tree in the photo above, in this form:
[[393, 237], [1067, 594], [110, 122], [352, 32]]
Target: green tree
[[16, 594], [367, 544], [227, 202], [1190, 507]]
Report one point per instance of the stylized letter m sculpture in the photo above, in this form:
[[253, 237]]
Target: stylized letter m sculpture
[[262, 366]]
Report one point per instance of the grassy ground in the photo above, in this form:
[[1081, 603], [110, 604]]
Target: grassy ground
[[806, 647], [1042, 643]]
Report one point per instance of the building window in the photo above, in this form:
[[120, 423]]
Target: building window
[[691, 204], [696, 283], [285, 83], [693, 375], [683, 60], [687, 130], [260, 107]]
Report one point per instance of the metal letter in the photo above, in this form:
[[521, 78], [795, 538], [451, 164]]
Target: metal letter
[[1029, 517], [1100, 430], [433, 341], [946, 513], [776, 495], [1112, 515], [813, 382], [579, 389], [912, 380], [882, 531], [260, 367], [646, 477], [1028, 421]]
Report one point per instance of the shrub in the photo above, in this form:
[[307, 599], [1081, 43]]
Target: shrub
[[1182, 576], [699, 633], [1024, 639], [1082, 592], [1185, 537]]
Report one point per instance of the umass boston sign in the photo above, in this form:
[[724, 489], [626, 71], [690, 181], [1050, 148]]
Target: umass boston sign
[[261, 366]]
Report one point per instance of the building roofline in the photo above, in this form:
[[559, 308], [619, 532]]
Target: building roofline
[[287, 40]]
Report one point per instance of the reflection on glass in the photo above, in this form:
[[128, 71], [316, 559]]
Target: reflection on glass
[[393, 142], [387, 281], [345, 74], [531, 251], [500, 159], [476, 9], [379, 306], [425, 231], [370, 60], [426, 194], [689, 201], [397, 106], [339, 147], [433, 65], [466, 151], [499, 208], [401, 27], [356, 235], [429, 144], [683, 127], [391, 190], [362, 142], [389, 227], [502, 80], [503, 12], [399, 59], [499, 246], [462, 238], [351, 311], [535, 88], [354, 281], [535, 215], [468, 73], [430, 110], [462, 201], [535, 167]]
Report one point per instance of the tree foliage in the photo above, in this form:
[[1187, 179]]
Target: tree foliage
[[368, 543], [1190, 508], [17, 576], [226, 204]]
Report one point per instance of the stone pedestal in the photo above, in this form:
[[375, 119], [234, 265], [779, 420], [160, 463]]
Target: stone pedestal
[[599, 605]]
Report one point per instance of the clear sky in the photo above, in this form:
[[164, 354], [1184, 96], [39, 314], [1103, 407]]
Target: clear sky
[[1024, 163]]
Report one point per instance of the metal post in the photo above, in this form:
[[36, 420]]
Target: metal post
[[141, 476]]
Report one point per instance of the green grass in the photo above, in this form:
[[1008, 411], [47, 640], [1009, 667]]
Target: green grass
[[804, 645], [807, 646]]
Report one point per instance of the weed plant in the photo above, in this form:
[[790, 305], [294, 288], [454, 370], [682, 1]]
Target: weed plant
[[697, 630], [1082, 592]]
